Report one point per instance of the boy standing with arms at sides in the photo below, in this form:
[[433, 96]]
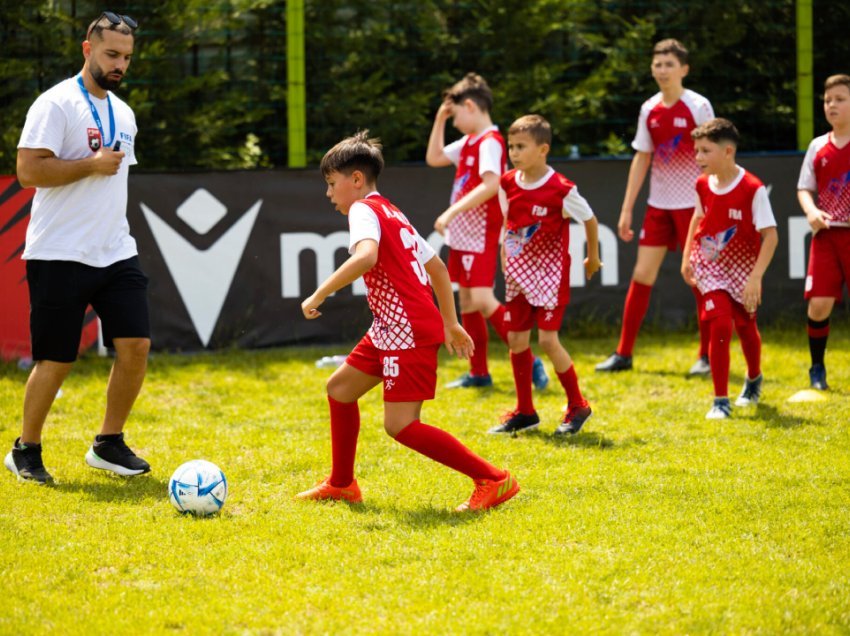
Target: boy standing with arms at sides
[[473, 222], [731, 241], [538, 204], [662, 140], [826, 171], [400, 349]]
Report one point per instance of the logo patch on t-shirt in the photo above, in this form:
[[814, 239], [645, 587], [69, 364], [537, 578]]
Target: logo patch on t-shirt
[[94, 139]]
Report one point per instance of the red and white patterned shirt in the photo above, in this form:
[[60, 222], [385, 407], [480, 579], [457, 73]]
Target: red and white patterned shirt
[[537, 237], [727, 240], [666, 133], [474, 229], [826, 170], [397, 287]]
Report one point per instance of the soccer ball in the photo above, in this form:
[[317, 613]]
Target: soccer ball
[[198, 487]]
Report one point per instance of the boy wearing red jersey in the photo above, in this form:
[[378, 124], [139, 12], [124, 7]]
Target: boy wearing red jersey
[[662, 141], [731, 241], [826, 172], [400, 349], [473, 222], [538, 204]]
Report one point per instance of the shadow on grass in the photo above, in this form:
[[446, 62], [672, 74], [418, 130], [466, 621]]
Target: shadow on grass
[[109, 487], [585, 439], [423, 518], [777, 419]]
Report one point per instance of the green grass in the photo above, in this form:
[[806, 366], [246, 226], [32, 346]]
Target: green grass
[[652, 520]]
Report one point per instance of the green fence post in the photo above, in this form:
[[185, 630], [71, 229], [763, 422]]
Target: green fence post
[[296, 93], [805, 82]]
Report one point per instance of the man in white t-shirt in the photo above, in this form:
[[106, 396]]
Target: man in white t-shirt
[[75, 149]]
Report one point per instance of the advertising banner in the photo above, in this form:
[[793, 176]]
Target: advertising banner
[[230, 255]]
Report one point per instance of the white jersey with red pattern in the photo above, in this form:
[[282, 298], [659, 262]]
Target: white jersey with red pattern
[[397, 287], [537, 238], [472, 230], [826, 170], [727, 240], [666, 133]]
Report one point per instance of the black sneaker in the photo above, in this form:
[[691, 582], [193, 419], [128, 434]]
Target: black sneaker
[[467, 381], [817, 377], [109, 452], [615, 362], [515, 422], [574, 419], [24, 460]]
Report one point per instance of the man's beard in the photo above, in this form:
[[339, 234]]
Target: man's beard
[[103, 81]]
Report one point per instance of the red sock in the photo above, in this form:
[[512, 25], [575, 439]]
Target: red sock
[[497, 319], [637, 302], [569, 380], [345, 427], [444, 448], [476, 327], [750, 337], [704, 327], [718, 354], [521, 363]]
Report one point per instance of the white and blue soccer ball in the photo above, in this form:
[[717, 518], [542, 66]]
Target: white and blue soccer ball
[[198, 487]]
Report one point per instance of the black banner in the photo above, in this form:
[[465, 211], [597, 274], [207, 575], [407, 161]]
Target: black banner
[[231, 255]]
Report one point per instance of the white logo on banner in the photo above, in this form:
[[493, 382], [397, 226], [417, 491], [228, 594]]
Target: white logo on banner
[[203, 277]]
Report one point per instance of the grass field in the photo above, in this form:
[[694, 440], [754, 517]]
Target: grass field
[[652, 520]]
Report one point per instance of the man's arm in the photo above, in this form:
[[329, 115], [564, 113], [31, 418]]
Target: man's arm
[[39, 167], [637, 173], [364, 258]]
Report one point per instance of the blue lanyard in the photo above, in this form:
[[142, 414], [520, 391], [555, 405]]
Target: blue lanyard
[[96, 115]]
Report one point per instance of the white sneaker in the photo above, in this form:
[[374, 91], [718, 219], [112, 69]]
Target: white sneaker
[[720, 410], [701, 367]]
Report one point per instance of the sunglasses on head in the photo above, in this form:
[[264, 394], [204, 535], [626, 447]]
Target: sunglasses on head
[[115, 19]]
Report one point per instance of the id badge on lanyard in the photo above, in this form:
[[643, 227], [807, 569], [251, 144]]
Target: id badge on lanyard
[[96, 140]]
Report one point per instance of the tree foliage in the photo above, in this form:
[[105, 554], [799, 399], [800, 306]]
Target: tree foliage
[[208, 82]]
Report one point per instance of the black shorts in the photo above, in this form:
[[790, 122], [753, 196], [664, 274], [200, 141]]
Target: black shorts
[[60, 292]]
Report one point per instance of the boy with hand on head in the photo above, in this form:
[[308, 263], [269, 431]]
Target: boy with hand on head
[[731, 241], [538, 204], [662, 141], [473, 222], [400, 349], [826, 172]]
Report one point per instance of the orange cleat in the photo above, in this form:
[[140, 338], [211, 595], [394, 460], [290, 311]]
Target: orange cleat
[[489, 493], [324, 490]]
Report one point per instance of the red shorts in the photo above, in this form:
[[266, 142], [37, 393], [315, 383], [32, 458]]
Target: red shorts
[[665, 228], [469, 269], [719, 303], [521, 316], [410, 375], [829, 263]]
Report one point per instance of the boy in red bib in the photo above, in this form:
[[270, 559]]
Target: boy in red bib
[[400, 349], [473, 222], [538, 204], [826, 172], [731, 241]]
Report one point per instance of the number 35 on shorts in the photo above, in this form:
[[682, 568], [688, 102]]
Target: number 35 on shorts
[[390, 366]]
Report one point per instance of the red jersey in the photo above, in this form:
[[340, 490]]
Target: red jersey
[[397, 287], [474, 229], [666, 133], [728, 239], [826, 170], [537, 241]]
